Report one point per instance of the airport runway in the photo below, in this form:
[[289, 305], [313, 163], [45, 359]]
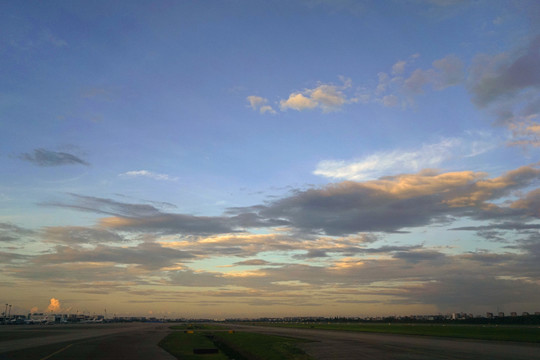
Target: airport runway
[[337, 345], [139, 341], [99, 341]]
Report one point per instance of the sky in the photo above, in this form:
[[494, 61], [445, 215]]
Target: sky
[[270, 158]]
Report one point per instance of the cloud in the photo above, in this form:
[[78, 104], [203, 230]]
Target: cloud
[[242, 244], [73, 235], [42, 157], [148, 174], [399, 67], [375, 165], [54, 305], [253, 262], [172, 224], [312, 254], [518, 226], [421, 277], [448, 71], [401, 88], [105, 206], [505, 75], [298, 101], [390, 101], [50, 38], [197, 279], [9, 257], [147, 255], [507, 84], [10, 232], [475, 291], [384, 82], [248, 244], [388, 204], [326, 97], [394, 203], [420, 256], [260, 104], [145, 217], [389, 275], [526, 131]]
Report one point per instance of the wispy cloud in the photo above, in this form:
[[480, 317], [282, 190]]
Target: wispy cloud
[[400, 87], [391, 162], [148, 174], [104, 206], [42, 157], [260, 104], [508, 84], [51, 38]]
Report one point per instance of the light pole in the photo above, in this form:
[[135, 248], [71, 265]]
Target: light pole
[[5, 314], [9, 316]]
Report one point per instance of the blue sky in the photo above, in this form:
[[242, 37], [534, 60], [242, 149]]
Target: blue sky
[[250, 158]]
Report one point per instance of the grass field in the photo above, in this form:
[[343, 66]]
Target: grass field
[[189, 326], [181, 345], [481, 332], [259, 346], [237, 345]]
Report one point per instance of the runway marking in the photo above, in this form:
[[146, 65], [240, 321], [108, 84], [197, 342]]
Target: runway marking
[[56, 352]]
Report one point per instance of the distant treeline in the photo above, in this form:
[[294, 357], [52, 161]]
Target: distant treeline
[[435, 319], [506, 320]]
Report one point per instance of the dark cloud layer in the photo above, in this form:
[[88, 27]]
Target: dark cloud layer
[[172, 224], [73, 235], [42, 157], [505, 78], [390, 204], [396, 203], [10, 232], [147, 255], [105, 206]]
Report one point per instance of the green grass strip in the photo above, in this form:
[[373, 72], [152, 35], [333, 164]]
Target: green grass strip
[[480, 332], [181, 346], [188, 326], [261, 347]]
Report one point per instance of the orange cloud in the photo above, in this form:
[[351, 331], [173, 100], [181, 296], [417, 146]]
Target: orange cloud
[[54, 305]]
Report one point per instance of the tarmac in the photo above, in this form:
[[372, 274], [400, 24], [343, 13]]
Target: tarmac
[[140, 341], [99, 341]]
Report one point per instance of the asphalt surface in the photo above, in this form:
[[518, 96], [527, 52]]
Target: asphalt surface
[[139, 341], [336, 345], [99, 341]]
